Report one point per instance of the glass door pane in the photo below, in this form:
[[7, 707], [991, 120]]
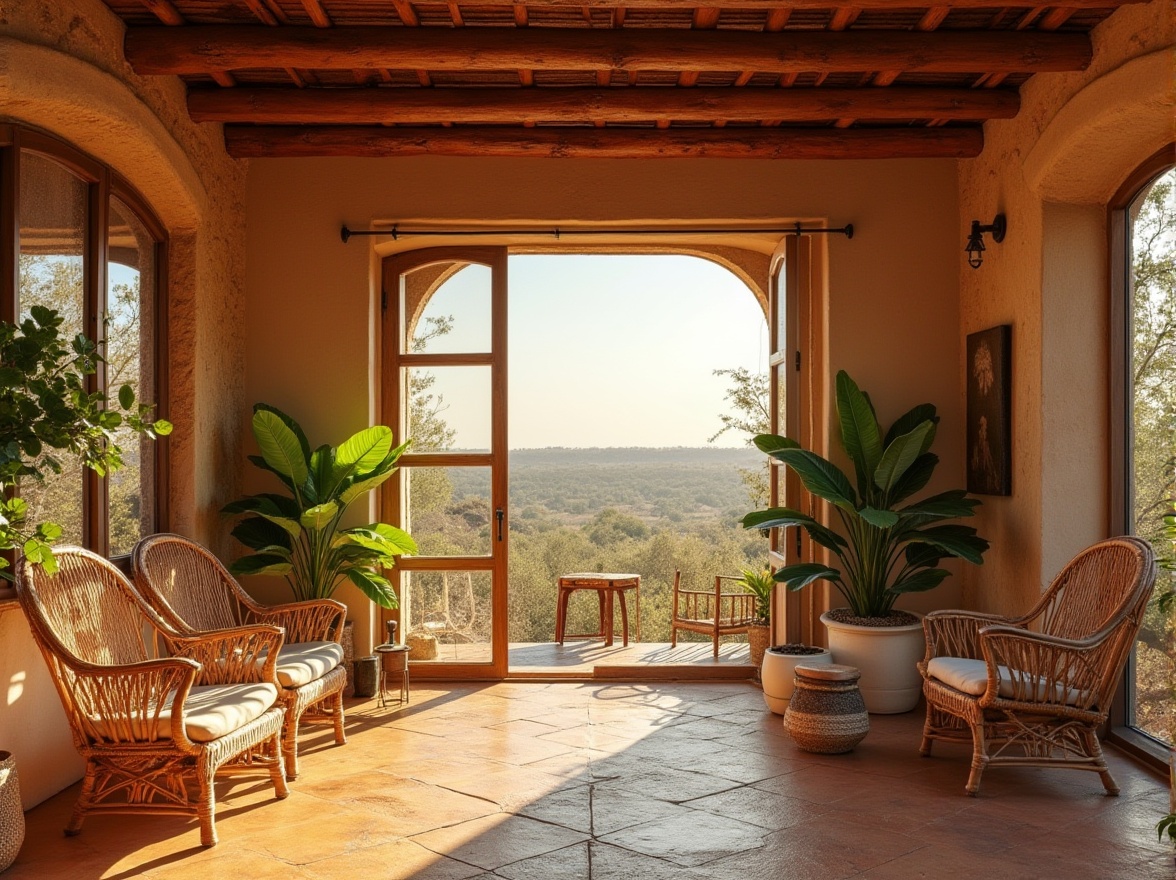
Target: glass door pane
[[445, 354], [1152, 411]]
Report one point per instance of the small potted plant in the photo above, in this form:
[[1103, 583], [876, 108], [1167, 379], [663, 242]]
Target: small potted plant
[[760, 584], [886, 545]]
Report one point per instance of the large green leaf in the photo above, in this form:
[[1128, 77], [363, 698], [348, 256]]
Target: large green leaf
[[921, 581], [823, 478], [280, 446], [294, 427], [398, 538], [923, 555], [907, 422], [319, 516], [773, 443], [784, 517], [364, 451], [916, 477], [322, 468], [374, 586], [260, 462], [945, 505], [275, 508], [261, 563], [882, 519], [801, 574], [955, 540], [860, 433], [899, 456], [257, 533], [353, 490]]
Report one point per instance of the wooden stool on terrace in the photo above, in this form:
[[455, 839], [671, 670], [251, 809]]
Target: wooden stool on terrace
[[606, 585]]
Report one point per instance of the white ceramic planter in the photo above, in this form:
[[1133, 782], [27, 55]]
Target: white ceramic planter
[[777, 676], [886, 656]]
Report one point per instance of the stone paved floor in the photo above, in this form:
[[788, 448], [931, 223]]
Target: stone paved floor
[[677, 781]]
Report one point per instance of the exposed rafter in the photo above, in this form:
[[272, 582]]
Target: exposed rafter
[[259, 141], [194, 50], [569, 106]]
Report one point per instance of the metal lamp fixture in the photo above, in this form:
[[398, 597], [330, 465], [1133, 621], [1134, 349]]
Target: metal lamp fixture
[[975, 247]]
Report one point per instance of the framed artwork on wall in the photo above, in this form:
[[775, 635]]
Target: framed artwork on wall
[[989, 405]]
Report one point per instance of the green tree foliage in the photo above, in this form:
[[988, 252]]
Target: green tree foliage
[[748, 395]]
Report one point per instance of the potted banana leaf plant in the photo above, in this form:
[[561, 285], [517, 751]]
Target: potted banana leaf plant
[[883, 544], [298, 534]]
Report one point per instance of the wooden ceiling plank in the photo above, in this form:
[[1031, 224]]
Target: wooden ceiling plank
[[194, 50], [499, 105], [776, 19], [318, 15], [407, 14], [263, 12], [165, 11], [1055, 18], [783, 143]]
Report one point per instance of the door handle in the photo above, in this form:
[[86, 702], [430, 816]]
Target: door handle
[[500, 515]]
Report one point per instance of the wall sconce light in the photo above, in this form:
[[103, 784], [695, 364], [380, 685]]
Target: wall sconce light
[[975, 247]]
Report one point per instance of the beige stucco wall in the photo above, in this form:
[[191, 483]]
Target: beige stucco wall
[[61, 70], [1052, 171], [892, 297]]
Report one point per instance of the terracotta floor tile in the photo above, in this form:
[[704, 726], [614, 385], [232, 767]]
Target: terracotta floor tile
[[493, 841], [690, 839], [521, 781]]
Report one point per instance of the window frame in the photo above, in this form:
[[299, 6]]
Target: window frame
[[103, 183], [1129, 738]]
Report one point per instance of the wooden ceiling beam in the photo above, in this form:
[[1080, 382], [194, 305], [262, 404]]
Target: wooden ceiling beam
[[791, 4], [254, 142], [490, 106], [195, 50]]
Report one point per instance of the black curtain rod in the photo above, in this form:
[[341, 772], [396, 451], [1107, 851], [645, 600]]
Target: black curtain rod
[[396, 232]]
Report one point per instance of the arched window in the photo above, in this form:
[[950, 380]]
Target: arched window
[[1143, 266], [78, 239]]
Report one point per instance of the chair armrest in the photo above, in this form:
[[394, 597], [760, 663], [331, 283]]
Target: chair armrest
[[1047, 670], [239, 655], [315, 620], [956, 633], [124, 704]]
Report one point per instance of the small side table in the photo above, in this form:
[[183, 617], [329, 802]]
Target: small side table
[[398, 655]]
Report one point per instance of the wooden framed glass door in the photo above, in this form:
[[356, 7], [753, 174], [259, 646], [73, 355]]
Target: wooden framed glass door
[[444, 386]]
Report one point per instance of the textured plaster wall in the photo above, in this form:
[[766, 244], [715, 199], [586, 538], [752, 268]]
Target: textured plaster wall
[[892, 291], [61, 70], [1052, 170]]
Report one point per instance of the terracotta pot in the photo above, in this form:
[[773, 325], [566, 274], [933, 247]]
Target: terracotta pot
[[776, 675], [886, 656], [12, 820], [758, 636]]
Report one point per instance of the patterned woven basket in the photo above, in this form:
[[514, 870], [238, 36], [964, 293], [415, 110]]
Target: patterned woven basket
[[12, 821], [826, 713]]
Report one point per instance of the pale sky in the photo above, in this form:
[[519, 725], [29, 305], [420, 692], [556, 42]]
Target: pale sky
[[604, 350]]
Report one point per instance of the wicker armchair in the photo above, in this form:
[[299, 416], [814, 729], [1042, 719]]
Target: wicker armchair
[[710, 612], [193, 592], [150, 726], [1036, 697]]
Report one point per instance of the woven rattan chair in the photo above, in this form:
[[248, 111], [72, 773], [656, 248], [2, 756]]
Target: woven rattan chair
[[1032, 691], [711, 612], [151, 729], [194, 592]]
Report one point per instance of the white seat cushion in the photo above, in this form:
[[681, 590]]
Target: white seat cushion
[[971, 677], [210, 712], [305, 662]]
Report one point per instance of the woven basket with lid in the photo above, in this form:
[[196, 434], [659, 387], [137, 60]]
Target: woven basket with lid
[[826, 713]]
